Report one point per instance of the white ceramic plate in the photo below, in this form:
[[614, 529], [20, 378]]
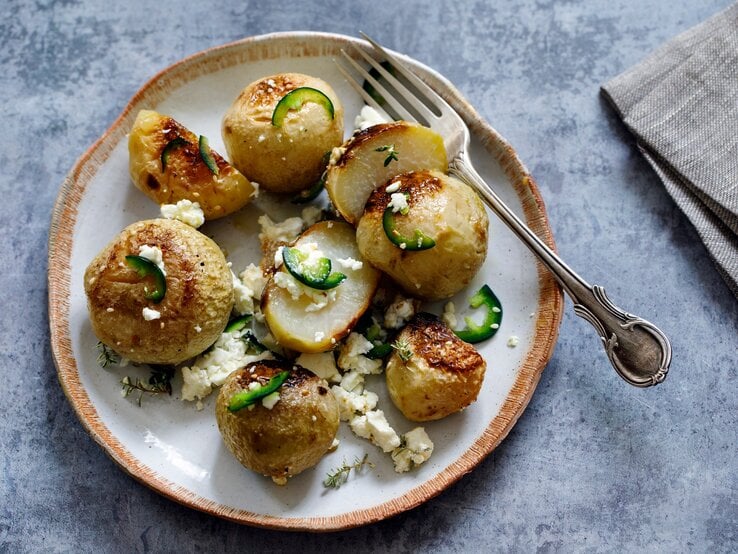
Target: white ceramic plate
[[167, 444]]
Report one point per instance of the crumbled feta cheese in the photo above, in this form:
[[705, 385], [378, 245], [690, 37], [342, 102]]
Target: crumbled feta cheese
[[261, 138], [270, 400], [149, 314], [198, 329], [278, 257], [352, 381], [213, 367], [415, 448], [110, 310], [374, 426], [318, 336], [512, 342], [350, 263], [393, 187], [247, 289], [352, 356], [154, 255], [282, 232], [323, 364], [311, 215], [334, 445], [368, 117], [398, 202], [185, 211], [320, 298], [255, 193], [336, 154], [399, 312], [351, 404], [449, 315]]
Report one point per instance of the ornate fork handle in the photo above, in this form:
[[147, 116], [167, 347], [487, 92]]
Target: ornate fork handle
[[638, 350]]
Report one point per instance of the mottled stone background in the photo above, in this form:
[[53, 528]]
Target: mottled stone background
[[593, 464]]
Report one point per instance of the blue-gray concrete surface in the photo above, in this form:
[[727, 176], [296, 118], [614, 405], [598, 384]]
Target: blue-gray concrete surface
[[593, 464]]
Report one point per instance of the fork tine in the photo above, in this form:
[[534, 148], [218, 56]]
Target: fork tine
[[394, 104], [407, 95], [434, 99], [364, 94]]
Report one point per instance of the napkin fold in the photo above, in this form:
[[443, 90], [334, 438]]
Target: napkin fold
[[681, 103]]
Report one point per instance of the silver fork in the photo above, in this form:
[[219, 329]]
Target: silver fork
[[638, 350]]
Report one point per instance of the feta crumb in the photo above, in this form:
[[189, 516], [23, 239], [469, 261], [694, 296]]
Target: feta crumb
[[334, 445], [374, 426], [110, 310], [323, 364], [282, 232], [352, 356], [247, 289], [350, 263], [261, 138], [415, 448], [270, 400], [399, 312], [198, 329], [351, 404], [211, 369], [278, 257], [185, 211], [311, 215], [336, 154], [449, 315], [353, 381], [254, 194], [398, 202], [368, 117], [393, 187], [154, 255], [149, 314], [512, 342], [318, 336]]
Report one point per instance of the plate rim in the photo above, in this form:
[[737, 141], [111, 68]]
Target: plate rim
[[549, 304]]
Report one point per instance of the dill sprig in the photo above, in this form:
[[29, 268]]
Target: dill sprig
[[106, 355], [159, 382], [337, 477], [403, 349]]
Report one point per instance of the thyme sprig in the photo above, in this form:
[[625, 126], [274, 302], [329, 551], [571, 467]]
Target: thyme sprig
[[106, 355], [391, 153], [337, 477], [159, 382], [403, 349]]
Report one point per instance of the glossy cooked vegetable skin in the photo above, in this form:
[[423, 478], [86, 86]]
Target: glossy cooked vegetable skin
[[291, 436], [444, 209], [441, 375], [318, 331], [287, 158], [192, 313], [166, 164], [364, 164]]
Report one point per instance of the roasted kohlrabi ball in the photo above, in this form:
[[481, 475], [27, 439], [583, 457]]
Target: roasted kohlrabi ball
[[427, 231], [169, 163], [160, 292], [277, 418], [280, 128], [432, 373]]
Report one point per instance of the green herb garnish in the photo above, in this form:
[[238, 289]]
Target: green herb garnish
[[159, 382], [337, 477], [391, 153], [106, 355], [403, 349]]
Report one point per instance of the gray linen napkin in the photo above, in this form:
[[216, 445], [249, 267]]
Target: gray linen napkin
[[681, 103]]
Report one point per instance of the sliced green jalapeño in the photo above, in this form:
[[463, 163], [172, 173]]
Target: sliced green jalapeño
[[170, 146], [294, 100], [207, 155], [419, 240], [473, 333], [246, 398], [317, 275], [238, 324], [145, 268]]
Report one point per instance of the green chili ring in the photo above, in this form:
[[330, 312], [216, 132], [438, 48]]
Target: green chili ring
[[146, 268], [167, 150], [474, 333], [419, 240], [294, 100], [317, 276], [206, 155], [248, 397]]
